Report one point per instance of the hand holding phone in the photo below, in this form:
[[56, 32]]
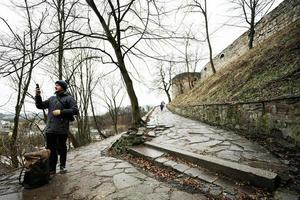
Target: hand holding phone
[[37, 90]]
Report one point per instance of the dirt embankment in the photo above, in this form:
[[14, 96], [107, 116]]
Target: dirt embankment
[[268, 71]]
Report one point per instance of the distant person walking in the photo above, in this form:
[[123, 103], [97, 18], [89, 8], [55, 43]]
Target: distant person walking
[[61, 109], [162, 105]]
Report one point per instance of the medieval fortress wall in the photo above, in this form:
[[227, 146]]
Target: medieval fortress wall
[[279, 117], [279, 18]]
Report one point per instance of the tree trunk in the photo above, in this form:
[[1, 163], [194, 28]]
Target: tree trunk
[[60, 57], [13, 148], [252, 28], [61, 18], [73, 140], [169, 96], [115, 111], [94, 117], [251, 37], [136, 116], [208, 40], [116, 127], [209, 47]]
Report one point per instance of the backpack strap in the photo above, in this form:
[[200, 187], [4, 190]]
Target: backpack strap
[[59, 100]]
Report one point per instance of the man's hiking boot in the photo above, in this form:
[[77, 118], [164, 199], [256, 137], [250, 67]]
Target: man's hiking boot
[[62, 170], [52, 172]]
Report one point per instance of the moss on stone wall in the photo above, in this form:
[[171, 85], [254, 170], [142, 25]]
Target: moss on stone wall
[[253, 118]]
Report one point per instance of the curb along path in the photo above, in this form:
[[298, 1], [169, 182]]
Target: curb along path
[[217, 150], [203, 139]]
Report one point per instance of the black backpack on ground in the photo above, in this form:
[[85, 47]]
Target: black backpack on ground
[[36, 172]]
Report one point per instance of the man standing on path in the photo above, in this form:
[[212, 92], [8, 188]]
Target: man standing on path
[[61, 109], [162, 105]]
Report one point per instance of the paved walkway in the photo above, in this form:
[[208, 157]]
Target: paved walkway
[[93, 176], [203, 139]]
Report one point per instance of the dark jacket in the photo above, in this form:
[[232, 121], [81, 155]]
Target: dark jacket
[[67, 105]]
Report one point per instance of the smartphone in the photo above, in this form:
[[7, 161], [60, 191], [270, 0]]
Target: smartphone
[[37, 86]]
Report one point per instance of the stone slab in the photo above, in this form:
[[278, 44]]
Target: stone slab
[[193, 172], [151, 126], [145, 151], [226, 184], [180, 195], [161, 160], [124, 180], [12, 196], [151, 134], [229, 155], [259, 177], [286, 195], [170, 163], [181, 167], [207, 176]]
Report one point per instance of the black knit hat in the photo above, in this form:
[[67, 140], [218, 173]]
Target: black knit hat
[[62, 83]]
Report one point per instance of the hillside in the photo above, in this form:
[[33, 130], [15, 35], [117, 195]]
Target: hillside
[[268, 71]]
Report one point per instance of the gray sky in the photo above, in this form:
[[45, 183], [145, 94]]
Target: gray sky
[[221, 37]]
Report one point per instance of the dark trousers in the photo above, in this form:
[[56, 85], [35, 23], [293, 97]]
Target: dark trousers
[[58, 146], [161, 107]]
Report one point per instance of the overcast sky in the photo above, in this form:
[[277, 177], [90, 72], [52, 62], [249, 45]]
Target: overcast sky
[[221, 37]]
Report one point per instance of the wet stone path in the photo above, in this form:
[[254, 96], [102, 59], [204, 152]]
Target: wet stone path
[[200, 138], [92, 175]]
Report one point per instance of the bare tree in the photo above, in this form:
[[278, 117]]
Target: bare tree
[[124, 25], [112, 97], [191, 58], [24, 46], [96, 122], [81, 77], [250, 10], [201, 6], [64, 19], [163, 78]]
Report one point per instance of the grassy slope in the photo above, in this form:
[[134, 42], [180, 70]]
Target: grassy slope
[[270, 70]]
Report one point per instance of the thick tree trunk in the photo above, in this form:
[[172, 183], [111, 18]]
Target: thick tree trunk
[[136, 116], [115, 43]]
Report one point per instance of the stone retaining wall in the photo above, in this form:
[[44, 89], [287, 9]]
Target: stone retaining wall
[[184, 82], [279, 18], [277, 117]]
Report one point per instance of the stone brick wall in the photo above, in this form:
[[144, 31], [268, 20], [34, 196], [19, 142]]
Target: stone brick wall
[[279, 116], [184, 82], [283, 15]]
